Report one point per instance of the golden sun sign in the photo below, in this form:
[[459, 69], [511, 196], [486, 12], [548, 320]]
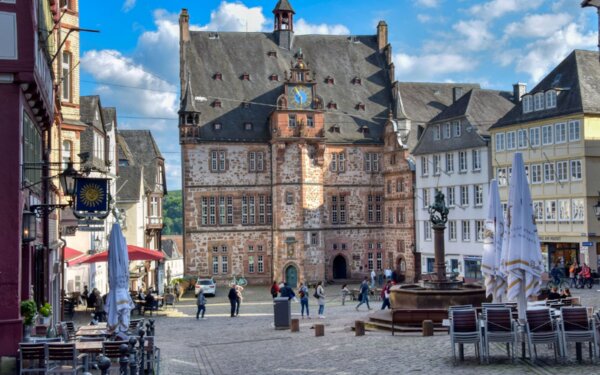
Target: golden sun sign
[[91, 195]]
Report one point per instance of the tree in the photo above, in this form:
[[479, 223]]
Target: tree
[[172, 213]]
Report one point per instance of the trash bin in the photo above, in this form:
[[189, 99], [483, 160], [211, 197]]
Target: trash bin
[[282, 313]]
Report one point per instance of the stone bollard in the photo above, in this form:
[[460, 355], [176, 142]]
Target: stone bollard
[[359, 328], [427, 328], [295, 325], [141, 334], [133, 359], [319, 330], [124, 360], [103, 364]]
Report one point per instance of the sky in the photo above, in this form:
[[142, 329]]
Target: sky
[[133, 63]]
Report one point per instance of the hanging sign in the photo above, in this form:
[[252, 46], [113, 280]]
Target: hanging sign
[[91, 195]]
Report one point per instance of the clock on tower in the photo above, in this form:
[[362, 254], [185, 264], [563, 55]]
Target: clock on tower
[[299, 96]]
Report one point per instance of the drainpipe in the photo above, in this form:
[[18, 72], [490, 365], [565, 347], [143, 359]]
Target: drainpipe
[[272, 217]]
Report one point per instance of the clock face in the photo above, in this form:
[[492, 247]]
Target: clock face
[[299, 97]]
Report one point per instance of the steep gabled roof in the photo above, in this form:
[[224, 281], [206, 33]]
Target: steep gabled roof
[[145, 152], [129, 184], [283, 5]]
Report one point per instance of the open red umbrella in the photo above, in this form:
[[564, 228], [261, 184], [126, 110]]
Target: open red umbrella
[[70, 253], [134, 252]]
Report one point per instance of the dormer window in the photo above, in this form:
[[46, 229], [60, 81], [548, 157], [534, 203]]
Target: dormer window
[[364, 129], [245, 77], [329, 80], [331, 105], [538, 101], [216, 103], [218, 76], [360, 106], [550, 99], [356, 81], [213, 35], [248, 126], [245, 105], [272, 53], [217, 126], [334, 129], [274, 77], [527, 104]]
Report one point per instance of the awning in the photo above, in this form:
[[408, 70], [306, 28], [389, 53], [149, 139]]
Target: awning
[[70, 253], [134, 252]]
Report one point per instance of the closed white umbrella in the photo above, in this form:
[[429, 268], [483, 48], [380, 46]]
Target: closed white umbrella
[[521, 254], [118, 302], [495, 281]]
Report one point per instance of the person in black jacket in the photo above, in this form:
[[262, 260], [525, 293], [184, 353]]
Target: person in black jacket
[[233, 299], [286, 291]]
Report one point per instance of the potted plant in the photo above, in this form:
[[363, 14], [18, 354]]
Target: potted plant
[[45, 312], [28, 312]]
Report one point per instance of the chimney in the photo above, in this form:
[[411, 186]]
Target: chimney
[[457, 92], [184, 26], [519, 89], [382, 35]]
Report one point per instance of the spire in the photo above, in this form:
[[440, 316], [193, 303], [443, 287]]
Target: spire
[[283, 5], [187, 102]]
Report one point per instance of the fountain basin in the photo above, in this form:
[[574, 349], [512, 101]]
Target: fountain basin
[[436, 295]]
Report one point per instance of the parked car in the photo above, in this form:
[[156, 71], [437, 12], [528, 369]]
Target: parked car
[[209, 286]]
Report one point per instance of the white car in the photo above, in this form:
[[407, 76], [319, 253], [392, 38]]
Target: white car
[[209, 286]]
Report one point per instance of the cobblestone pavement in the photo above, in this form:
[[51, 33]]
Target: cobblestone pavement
[[222, 345]]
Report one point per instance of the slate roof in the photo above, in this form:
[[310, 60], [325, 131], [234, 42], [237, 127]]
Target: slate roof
[[88, 106], [129, 184], [577, 78], [235, 53], [109, 115], [283, 5], [480, 108], [171, 245], [143, 150]]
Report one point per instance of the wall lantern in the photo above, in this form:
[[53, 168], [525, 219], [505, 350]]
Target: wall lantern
[[29, 229]]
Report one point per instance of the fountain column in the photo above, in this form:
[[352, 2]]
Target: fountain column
[[440, 252]]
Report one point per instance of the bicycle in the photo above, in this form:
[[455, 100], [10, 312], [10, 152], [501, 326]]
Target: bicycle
[[583, 282], [241, 281], [560, 284]]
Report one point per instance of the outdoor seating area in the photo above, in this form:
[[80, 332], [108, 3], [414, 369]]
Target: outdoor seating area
[[548, 325], [77, 350]]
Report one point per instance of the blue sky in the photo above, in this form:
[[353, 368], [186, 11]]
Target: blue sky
[[134, 63]]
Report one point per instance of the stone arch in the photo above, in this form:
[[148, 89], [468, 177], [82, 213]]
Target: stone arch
[[340, 267], [400, 269]]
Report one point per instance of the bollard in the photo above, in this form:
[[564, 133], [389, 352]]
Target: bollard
[[103, 364], [124, 360], [151, 331], [141, 334], [319, 330], [359, 328], [427, 328], [295, 325], [133, 365]]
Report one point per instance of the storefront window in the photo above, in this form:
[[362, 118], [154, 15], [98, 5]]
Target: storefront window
[[473, 269]]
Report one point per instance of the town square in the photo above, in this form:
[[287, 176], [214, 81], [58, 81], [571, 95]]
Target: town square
[[288, 186]]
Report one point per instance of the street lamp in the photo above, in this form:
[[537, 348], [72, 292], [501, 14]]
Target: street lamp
[[29, 227], [595, 4], [67, 182]]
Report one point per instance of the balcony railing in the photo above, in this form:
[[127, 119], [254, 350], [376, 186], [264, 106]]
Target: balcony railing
[[154, 221]]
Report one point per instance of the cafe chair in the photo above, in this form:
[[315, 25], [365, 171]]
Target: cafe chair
[[575, 326], [541, 329], [64, 359], [464, 329], [499, 326], [32, 358], [169, 300], [152, 357]]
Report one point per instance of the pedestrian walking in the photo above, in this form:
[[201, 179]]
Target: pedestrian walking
[[177, 291], [303, 293], [385, 295], [373, 275], [320, 294], [201, 302], [238, 292], [274, 289], [573, 274], [232, 295], [364, 294], [345, 293]]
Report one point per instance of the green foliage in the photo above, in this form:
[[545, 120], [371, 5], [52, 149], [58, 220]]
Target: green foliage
[[46, 309], [172, 213], [28, 311]]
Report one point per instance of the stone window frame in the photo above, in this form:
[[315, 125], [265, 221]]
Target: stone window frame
[[338, 208], [218, 161], [375, 208], [256, 161]]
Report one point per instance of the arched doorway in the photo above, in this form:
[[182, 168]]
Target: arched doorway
[[291, 276], [401, 269], [339, 267]]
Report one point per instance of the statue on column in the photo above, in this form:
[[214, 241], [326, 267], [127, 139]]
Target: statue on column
[[438, 212]]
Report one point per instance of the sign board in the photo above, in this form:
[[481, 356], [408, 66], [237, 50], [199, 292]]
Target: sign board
[[91, 195], [588, 244], [90, 229]]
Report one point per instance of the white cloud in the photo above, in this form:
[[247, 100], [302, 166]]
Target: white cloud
[[128, 5], [235, 17], [431, 66], [303, 27], [428, 3], [497, 8], [424, 18], [537, 25], [476, 33]]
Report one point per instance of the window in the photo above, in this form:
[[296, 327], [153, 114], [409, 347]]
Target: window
[[564, 210], [538, 211], [536, 174], [436, 132], [252, 209], [256, 161], [449, 163], [204, 210], [251, 264], [289, 198], [447, 131], [66, 76], [400, 215], [501, 176], [479, 230], [399, 185], [500, 142], [291, 121], [547, 135], [222, 211], [224, 264], [338, 209], [361, 106], [476, 160], [450, 196], [245, 77], [310, 121], [452, 230], [478, 191], [427, 230], [534, 137], [575, 170], [314, 239], [248, 126], [549, 172], [332, 105], [511, 140], [216, 103], [424, 166], [356, 81], [426, 200], [390, 216], [436, 165], [212, 210], [261, 265], [370, 260], [464, 195], [550, 211], [562, 170], [274, 77], [466, 230], [269, 213], [456, 128], [218, 76], [67, 149], [371, 162], [574, 131], [262, 209], [244, 209], [538, 101], [551, 99], [379, 261], [430, 264], [215, 264], [560, 132], [218, 160], [338, 162], [98, 146], [577, 210], [522, 138], [329, 80], [462, 161], [527, 104], [374, 207]]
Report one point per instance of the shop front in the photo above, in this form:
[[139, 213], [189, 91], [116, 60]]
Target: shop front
[[560, 254]]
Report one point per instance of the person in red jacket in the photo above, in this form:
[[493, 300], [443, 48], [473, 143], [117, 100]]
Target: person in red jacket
[[274, 289]]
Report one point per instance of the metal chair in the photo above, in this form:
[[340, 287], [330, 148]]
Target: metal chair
[[32, 358], [67, 331], [169, 300], [464, 329], [152, 357], [541, 329], [63, 358], [576, 326], [499, 326]]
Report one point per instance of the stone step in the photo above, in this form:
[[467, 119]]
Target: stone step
[[381, 326]]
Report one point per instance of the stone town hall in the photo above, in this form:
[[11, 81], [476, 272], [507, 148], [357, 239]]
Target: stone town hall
[[294, 161]]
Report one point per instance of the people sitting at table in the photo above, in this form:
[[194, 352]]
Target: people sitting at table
[[151, 303], [565, 293], [100, 314], [553, 295], [91, 299]]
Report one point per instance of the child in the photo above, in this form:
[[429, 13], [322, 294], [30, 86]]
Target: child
[[201, 301], [345, 292]]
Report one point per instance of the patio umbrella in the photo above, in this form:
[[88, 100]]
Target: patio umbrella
[[70, 253], [118, 303], [495, 281], [133, 253], [521, 253]]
